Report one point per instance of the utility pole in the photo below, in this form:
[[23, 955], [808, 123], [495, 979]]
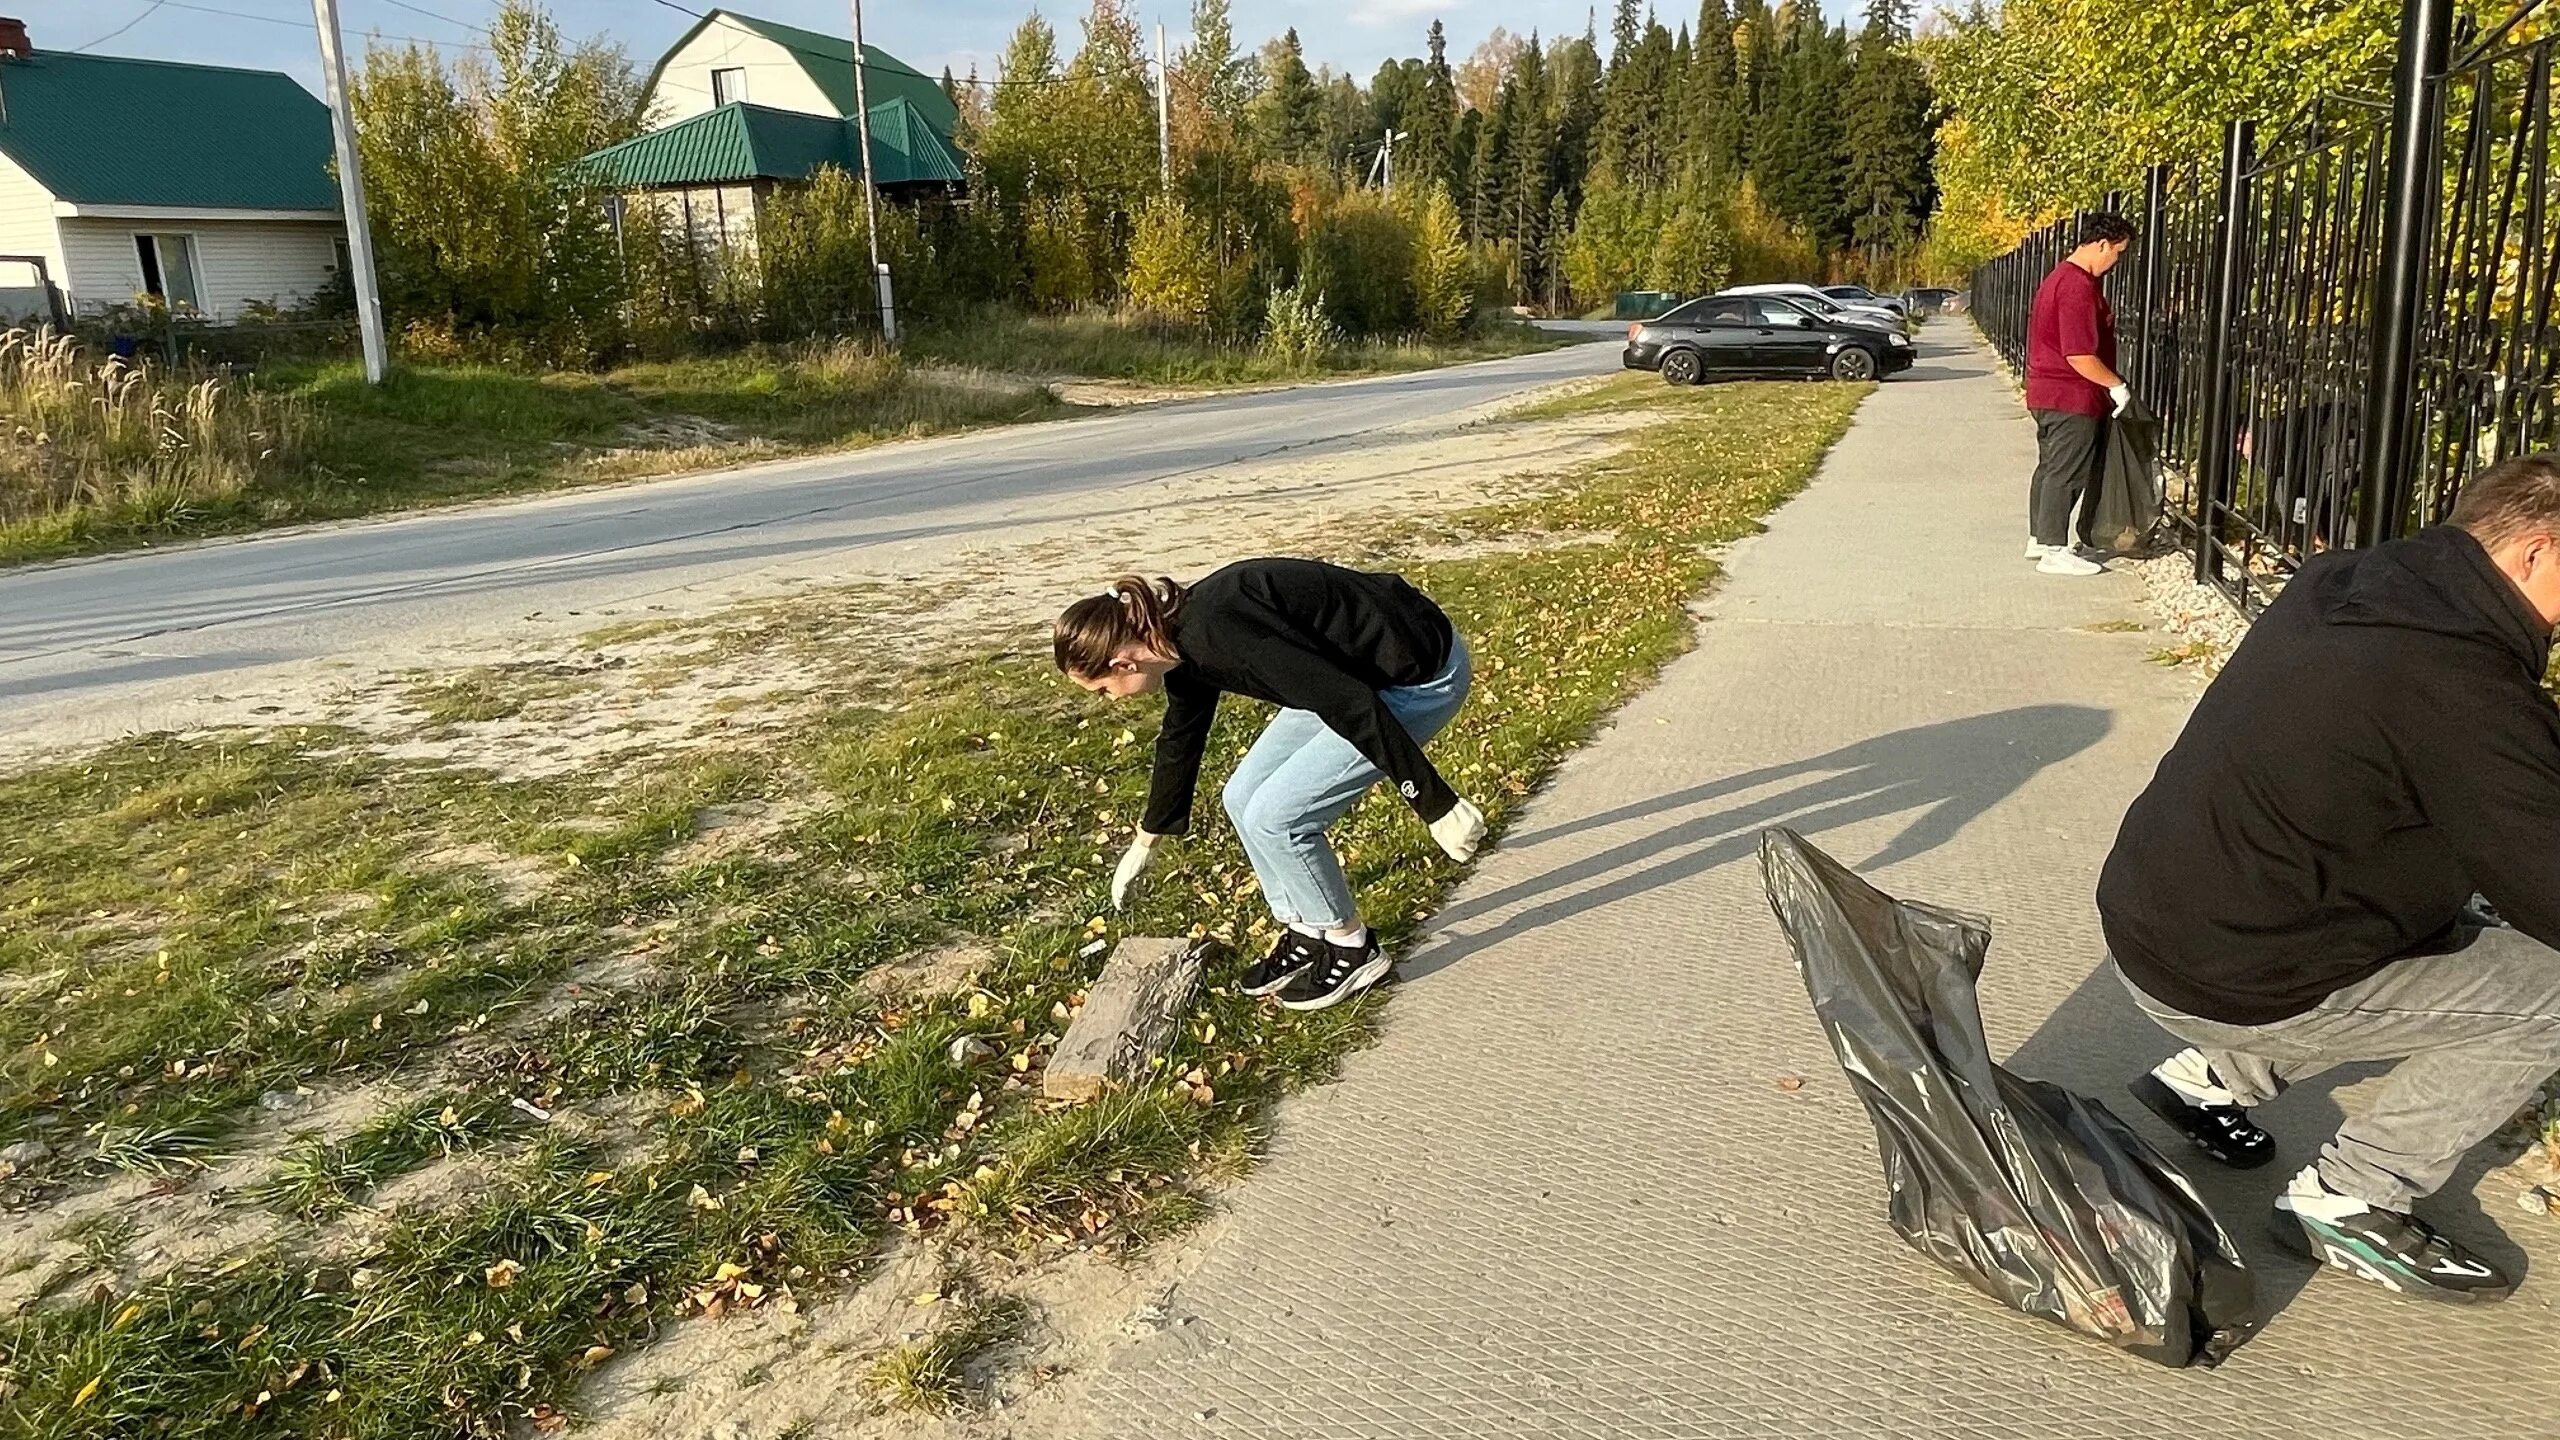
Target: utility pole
[[333, 75], [1164, 112], [870, 191]]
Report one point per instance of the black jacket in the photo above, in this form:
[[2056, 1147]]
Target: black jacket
[[2379, 748], [1307, 636]]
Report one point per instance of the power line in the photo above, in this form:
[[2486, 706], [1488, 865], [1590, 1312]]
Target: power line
[[432, 15], [294, 24], [147, 12]]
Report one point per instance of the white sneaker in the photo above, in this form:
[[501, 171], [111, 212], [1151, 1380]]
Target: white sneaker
[[2036, 551], [2060, 561]]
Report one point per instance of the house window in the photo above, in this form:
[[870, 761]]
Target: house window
[[345, 257], [169, 270], [728, 86]]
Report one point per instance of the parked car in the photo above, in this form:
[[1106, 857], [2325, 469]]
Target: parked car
[[1861, 295], [1823, 307], [1812, 295], [1723, 335], [1932, 300]]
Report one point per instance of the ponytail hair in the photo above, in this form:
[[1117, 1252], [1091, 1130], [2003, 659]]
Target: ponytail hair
[[1134, 611]]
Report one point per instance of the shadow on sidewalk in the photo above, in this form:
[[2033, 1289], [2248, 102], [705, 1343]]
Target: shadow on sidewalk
[[1943, 775], [2097, 1041]]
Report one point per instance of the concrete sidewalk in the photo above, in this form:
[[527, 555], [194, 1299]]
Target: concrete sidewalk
[[1565, 1195]]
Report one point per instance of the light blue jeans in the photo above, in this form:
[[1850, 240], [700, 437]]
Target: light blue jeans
[[1300, 777]]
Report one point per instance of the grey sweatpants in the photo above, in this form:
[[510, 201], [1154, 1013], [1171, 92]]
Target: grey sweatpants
[[2071, 455], [2475, 1032]]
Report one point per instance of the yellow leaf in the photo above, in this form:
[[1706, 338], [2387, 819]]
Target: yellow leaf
[[450, 1116], [728, 1271], [979, 1005], [599, 1177], [503, 1274], [87, 1393], [596, 1355], [126, 1316]]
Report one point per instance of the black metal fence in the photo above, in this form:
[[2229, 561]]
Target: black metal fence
[[2251, 312]]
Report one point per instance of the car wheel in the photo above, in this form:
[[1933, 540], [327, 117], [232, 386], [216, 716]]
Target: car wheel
[[1854, 362], [1681, 367]]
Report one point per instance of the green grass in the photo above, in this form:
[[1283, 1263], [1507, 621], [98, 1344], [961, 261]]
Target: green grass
[[185, 926], [1100, 345], [929, 1375]]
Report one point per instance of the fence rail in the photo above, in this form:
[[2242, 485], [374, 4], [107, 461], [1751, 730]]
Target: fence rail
[[2249, 313]]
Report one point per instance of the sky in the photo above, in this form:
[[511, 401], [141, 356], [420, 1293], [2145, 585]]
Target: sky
[[1352, 35]]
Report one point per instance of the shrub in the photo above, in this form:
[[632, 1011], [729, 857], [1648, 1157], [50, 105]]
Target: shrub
[[1363, 248], [1297, 328], [1058, 250], [1444, 280], [1172, 275]]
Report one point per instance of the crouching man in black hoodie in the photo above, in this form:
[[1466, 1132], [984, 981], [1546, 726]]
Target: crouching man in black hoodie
[[2293, 890]]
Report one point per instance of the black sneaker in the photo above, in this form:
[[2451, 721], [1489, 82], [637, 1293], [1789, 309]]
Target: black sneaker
[[1344, 971], [1292, 953], [2224, 1132], [2400, 1253]]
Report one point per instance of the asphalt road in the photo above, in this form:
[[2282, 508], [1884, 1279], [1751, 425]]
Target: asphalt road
[[118, 640]]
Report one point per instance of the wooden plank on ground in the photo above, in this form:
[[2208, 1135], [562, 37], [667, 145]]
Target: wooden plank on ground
[[1130, 1015]]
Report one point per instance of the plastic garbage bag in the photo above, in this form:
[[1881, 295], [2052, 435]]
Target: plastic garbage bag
[[2037, 1196], [2128, 491]]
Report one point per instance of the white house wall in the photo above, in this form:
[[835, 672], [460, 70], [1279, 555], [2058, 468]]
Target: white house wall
[[26, 228], [774, 76], [237, 261]]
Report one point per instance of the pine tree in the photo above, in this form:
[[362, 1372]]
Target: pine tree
[[1798, 160], [1529, 167], [1886, 160], [1488, 181], [1573, 67], [1432, 120], [1290, 118], [1714, 103]]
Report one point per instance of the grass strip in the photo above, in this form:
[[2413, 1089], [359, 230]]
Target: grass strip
[[790, 1114]]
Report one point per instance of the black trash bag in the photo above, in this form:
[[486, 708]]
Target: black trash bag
[[2127, 504], [2039, 1197]]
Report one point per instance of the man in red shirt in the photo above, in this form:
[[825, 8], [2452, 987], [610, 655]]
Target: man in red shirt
[[2073, 390]]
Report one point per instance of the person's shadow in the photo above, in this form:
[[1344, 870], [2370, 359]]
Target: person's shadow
[[1942, 775]]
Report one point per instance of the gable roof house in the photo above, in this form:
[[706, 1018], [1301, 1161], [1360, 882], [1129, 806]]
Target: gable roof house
[[748, 104], [208, 188]]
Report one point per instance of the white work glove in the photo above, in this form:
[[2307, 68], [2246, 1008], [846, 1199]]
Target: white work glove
[[2122, 394], [1133, 860], [1460, 832]]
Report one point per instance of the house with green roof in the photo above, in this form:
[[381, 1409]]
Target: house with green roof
[[743, 105], [206, 187]]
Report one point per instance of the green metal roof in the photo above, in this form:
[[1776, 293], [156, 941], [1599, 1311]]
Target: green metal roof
[[828, 61], [740, 142], [106, 130]]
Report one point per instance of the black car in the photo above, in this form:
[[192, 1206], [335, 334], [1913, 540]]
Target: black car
[[1761, 335]]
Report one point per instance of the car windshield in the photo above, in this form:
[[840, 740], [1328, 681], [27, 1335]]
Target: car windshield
[[1818, 304], [1849, 292]]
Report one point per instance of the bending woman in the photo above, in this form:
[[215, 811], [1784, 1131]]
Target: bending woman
[[1364, 667]]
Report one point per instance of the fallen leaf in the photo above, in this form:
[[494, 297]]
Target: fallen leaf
[[1790, 1082], [595, 1355], [87, 1393], [503, 1274]]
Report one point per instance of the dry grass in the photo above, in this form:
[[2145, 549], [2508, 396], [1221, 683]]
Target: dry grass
[[132, 444]]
